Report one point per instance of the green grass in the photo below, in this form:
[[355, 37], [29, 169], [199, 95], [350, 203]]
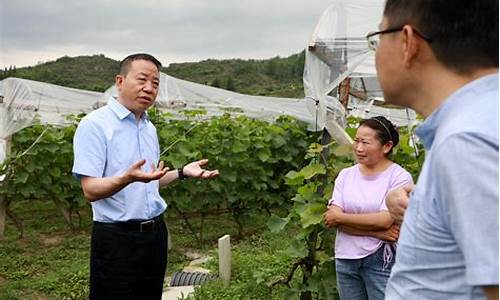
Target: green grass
[[256, 261], [51, 261]]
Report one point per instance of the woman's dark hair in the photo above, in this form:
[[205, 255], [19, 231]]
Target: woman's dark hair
[[386, 131]]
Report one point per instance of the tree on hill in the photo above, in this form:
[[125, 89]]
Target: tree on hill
[[10, 72], [216, 82], [230, 84]]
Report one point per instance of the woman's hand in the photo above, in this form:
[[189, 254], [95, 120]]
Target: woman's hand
[[333, 216], [390, 235]]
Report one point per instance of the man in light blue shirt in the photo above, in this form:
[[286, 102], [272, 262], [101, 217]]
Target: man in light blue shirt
[[117, 161], [441, 59], [115, 132]]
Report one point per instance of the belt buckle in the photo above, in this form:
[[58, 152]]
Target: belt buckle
[[145, 223]]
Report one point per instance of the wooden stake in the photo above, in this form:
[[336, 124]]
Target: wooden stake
[[3, 201]]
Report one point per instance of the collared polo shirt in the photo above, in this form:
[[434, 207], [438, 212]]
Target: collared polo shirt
[[448, 245], [106, 143]]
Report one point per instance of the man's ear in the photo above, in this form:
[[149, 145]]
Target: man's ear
[[410, 45], [119, 80]]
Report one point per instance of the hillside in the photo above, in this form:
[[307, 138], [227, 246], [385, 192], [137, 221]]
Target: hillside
[[280, 77], [94, 72]]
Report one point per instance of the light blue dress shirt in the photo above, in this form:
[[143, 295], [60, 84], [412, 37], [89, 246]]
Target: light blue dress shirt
[[106, 143], [448, 247]]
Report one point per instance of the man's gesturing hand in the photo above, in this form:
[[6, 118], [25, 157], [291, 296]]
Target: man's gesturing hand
[[135, 172], [194, 169]]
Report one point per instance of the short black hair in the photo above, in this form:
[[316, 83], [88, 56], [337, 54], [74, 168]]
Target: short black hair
[[463, 33], [125, 63], [386, 131]]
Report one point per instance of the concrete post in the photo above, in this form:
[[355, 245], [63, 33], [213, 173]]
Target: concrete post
[[225, 259]]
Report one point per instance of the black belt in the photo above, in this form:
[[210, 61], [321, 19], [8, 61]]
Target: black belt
[[136, 225]]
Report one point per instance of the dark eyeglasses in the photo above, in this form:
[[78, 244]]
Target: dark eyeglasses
[[373, 38]]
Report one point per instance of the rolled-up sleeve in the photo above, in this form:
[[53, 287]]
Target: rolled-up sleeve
[[467, 172], [89, 148]]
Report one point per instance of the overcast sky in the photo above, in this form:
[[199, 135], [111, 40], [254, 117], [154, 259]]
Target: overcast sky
[[34, 31]]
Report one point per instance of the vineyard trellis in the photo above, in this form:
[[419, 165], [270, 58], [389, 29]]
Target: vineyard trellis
[[253, 156]]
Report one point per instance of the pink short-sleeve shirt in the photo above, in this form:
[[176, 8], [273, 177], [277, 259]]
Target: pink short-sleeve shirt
[[356, 193]]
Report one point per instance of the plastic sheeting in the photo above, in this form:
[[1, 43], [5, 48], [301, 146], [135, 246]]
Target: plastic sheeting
[[338, 49], [176, 94], [24, 100]]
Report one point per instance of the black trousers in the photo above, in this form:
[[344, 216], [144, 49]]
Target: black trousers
[[127, 262]]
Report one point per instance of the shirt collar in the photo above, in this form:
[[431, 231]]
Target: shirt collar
[[427, 130], [122, 112]]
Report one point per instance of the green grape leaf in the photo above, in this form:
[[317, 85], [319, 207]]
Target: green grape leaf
[[276, 224]]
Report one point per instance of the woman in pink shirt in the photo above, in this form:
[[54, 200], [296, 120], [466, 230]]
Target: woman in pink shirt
[[365, 230]]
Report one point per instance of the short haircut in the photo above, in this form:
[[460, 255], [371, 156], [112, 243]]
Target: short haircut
[[463, 33], [125, 63], [386, 131]]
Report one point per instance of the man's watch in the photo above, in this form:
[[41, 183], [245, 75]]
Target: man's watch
[[180, 174]]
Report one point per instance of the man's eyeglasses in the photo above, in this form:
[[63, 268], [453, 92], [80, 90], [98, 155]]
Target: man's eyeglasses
[[373, 38]]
